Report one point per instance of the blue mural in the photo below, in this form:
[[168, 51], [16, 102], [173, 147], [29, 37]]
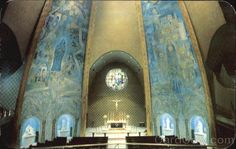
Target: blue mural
[[65, 126], [29, 131], [167, 124], [176, 83], [55, 78]]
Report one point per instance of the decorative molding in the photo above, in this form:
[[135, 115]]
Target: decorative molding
[[146, 80], [85, 89]]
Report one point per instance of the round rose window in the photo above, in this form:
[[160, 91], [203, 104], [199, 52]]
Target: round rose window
[[116, 79]]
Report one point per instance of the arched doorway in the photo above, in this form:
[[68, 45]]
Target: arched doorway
[[116, 94]]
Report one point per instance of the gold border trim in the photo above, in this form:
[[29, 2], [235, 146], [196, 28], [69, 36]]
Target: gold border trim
[[85, 89], [147, 90]]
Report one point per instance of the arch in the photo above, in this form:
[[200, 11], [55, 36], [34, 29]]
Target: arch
[[115, 59], [65, 125], [117, 56], [131, 98], [167, 125], [199, 129], [222, 53], [30, 131]]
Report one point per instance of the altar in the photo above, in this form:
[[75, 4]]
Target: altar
[[116, 120], [116, 124], [116, 127]]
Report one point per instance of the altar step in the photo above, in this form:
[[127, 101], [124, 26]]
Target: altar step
[[116, 136]]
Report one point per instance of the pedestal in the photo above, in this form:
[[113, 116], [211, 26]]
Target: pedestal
[[64, 133]]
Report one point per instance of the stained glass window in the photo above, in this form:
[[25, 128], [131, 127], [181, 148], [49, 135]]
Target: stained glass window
[[116, 79]]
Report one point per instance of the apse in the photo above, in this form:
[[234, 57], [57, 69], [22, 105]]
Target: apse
[[116, 94]]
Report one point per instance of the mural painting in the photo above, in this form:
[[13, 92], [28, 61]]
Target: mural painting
[[55, 78], [176, 83]]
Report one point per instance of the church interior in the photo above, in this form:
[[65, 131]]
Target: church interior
[[117, 74]]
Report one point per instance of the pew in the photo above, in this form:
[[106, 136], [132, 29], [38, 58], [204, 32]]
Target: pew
[[62, 141], [170, 142], [89, 140], [142, 139], [58, 141]]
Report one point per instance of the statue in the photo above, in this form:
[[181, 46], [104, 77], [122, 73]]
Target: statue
[[63, 125], [29, 131], [64, 129], [168, 123], [199, 127], [28, 136]]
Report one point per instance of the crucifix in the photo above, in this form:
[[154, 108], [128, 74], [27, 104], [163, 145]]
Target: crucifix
[[116, 103]]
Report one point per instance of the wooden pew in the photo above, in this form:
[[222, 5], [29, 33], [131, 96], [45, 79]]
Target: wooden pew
[[170, 140], [62, 141], [58, 141], [142, 139], [89, 140]]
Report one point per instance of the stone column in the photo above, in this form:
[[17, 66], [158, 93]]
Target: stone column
[[177, 127], [187, 128], [43, 131], [158, 124], [155, 129], [53, 128], [76, 127]]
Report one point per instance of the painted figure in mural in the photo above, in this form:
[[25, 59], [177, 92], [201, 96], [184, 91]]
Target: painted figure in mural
[[41, 75], [70, 65], [172, 59], [50, 24], [173, 68], [58, 56]]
